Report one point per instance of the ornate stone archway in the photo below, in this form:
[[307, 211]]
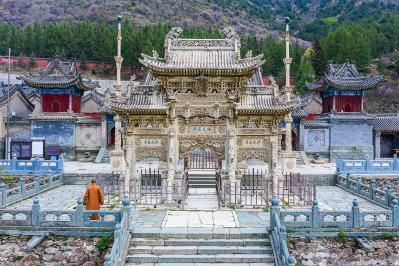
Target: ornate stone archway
[[188, 144]]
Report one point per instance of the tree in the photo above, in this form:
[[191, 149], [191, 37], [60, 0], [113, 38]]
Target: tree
[[306, 72], [319, 61]]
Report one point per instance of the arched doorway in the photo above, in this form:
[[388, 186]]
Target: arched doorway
[[111, 137], [55, 107]]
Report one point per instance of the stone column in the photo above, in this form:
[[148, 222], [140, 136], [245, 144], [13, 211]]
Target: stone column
[[173, 158], [103, 131], [288, 133], [301, 135], [273, 156], [377, 144], [117, 158], [70, 104], [232, 153]]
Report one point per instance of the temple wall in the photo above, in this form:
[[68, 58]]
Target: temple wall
[[316, 140], [313, 107], [88, 141], [351, 139], [90, 106], [61, 133]]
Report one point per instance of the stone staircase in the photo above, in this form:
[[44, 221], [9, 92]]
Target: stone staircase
[[301, 158], [103, 156], [210, 248], [201, 178]]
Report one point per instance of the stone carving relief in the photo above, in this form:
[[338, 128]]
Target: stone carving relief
[[245, 154], [187, 145], [151, 152], [150, 122]]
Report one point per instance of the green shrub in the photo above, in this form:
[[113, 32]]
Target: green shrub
[[342, 236], [386, 235], [104, 243]]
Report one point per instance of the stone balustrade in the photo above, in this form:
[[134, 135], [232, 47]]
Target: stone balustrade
[[47, 219], [33, 166], [368, 166], [121, 238], [279, 236], [369, 191], [353, 218], [26, 190]]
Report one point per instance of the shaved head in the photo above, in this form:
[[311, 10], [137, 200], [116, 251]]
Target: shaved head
[[93, 180]]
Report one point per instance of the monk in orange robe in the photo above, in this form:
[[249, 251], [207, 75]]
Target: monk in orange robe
[[93, 198]]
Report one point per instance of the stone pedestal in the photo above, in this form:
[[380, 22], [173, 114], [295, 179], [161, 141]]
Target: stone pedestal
[[288, 162], [117, 161]]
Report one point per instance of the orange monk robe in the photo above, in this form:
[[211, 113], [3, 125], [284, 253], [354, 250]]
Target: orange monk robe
[[93, 198]]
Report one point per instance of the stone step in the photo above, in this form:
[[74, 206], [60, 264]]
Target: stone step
[[221, 258], [203, 250], [202, 264], [200, 181], [202, 185], [247, 242]]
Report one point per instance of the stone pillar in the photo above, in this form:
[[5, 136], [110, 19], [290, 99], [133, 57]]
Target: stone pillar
[[173, 158], [301, 135], [377, 144], [103, 131], [273, 157], [117, 158], [288, 134], [232, 153]]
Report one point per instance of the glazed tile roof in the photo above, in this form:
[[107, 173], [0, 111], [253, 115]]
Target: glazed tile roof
[[59, 74], [55, 116], [345, 77], [346, 116], [265, 104], [202, 56], [299, 113], [386, 122], [139, 103], [316, 125]]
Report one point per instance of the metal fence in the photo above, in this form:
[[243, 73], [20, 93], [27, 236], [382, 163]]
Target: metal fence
[[202, 159], [256, 189]]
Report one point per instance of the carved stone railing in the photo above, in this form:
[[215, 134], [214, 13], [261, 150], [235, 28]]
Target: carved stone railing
[[26, 190], [121, 238], [368, 191], [353, 218], [76, 218], [368, 166], [34, 166], [278, 236]]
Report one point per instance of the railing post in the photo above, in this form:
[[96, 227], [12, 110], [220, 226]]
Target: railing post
[[395, 213], [388, 195], [36, 164], [35, 212], [37, 183], [348, 178], [274, 209], [22, 185], [339, 164], [373, 185], [359, 181], [126, 209], [315, 214], [79, 213], [356, 219], [368, 164], [3, 191], [395, 163], [13, 163], [60, 164]]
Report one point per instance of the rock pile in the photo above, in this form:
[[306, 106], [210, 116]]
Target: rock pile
[[328, 251], [52, 251]]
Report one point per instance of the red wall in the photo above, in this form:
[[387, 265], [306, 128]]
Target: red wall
[[48, 101], [76, 104], [354, 103], [343, 104]]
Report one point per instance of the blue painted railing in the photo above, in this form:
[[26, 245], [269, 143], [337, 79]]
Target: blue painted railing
[[120, 247], [74, 218], [353, 218], [26, 190], [368, 191], [368, 166], [34, 166], [279, 237]]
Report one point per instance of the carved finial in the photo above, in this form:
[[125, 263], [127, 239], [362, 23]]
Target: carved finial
[[174, 33], [249, 54], [230, 33], [155, 54]]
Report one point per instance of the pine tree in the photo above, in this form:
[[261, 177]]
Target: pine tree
[[319, 61], [306, 72]]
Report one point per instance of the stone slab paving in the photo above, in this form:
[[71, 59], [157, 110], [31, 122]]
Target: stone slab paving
[[147, 218], [60, 198], [200, 219], [326, 168], [253, 219], [332, 198]]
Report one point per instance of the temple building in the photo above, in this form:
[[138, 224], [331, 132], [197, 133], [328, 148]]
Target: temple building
[[343, 128], [60, 110], [202, 95]]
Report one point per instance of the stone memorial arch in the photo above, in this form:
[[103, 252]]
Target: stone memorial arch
[[201, 95]]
